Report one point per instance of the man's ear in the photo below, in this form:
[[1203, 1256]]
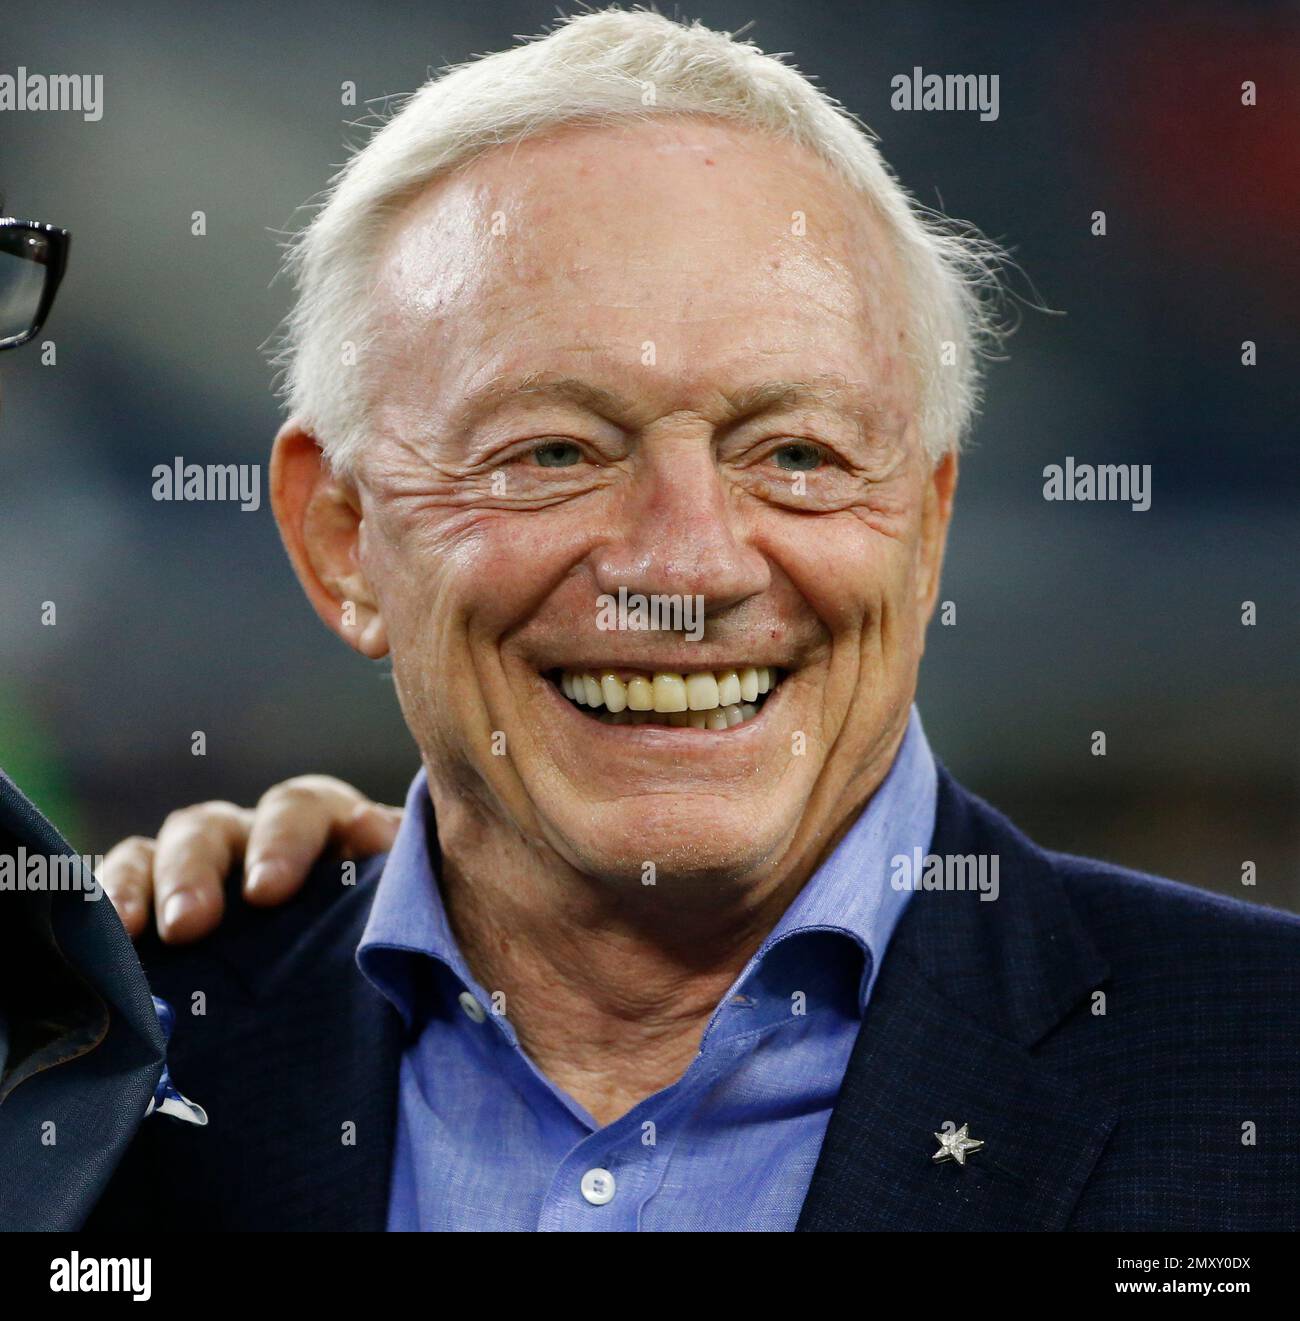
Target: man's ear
[[940, 489], [319, 515]]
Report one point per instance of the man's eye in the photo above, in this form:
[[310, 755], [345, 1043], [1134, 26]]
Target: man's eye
[[798, 456], [557, 454]]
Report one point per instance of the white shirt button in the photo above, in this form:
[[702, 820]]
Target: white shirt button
[[471, 1007], [598, 1186]]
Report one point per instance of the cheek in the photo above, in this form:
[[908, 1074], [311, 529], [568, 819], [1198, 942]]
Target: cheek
[[446, 577], [844, 568], [511, 569]]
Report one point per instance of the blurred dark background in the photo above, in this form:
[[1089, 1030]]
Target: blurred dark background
[[1070, 617]]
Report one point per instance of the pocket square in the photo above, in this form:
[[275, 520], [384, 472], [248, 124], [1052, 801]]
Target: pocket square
[[166, 1099]]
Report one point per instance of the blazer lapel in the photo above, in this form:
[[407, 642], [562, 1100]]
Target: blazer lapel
[[323, 1161], [328, 1145], [966, 992]]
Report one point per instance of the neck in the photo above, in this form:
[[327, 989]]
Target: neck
[[608, 994]]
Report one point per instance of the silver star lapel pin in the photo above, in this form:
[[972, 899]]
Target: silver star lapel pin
[[956, 1146]]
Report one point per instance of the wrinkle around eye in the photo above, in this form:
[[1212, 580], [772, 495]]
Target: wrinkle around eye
[[478, 491], [454, 501], [837, 486]]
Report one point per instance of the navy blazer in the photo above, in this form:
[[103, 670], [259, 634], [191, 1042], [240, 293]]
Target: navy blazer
[[1128, 1050], [80, 1045]]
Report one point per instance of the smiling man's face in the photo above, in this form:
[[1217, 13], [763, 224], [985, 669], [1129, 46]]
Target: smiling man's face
[[615, 358]]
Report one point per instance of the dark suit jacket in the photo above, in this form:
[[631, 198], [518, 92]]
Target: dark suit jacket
[[984, 1013], [80, 1045]]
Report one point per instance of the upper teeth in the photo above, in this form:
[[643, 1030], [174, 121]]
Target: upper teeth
[[666, 690]]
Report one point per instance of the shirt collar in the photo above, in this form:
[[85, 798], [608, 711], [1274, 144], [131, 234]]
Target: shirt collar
[[407, 916], [849, 893]]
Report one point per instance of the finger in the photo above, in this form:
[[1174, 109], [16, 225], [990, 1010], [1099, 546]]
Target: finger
[[197, 847], [295, 822], [372, 828], [127, 878]]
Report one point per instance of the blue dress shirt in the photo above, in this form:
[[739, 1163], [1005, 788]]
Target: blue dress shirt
[[486, 1142]]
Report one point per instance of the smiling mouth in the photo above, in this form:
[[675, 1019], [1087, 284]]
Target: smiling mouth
[[714, 700]]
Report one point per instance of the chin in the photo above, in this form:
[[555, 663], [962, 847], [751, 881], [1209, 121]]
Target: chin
[[690, 838]]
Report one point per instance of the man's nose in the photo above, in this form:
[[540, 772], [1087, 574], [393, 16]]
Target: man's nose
[[681, 532]]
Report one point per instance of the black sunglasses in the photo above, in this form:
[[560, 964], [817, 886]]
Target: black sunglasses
[[33, 258]]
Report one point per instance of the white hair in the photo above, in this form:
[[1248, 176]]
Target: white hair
[[597, 66]]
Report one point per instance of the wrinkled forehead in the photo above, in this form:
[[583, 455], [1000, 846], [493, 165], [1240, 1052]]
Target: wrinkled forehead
[[671, 230]]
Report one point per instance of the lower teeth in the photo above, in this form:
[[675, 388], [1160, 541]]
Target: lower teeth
[[720, 718]]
